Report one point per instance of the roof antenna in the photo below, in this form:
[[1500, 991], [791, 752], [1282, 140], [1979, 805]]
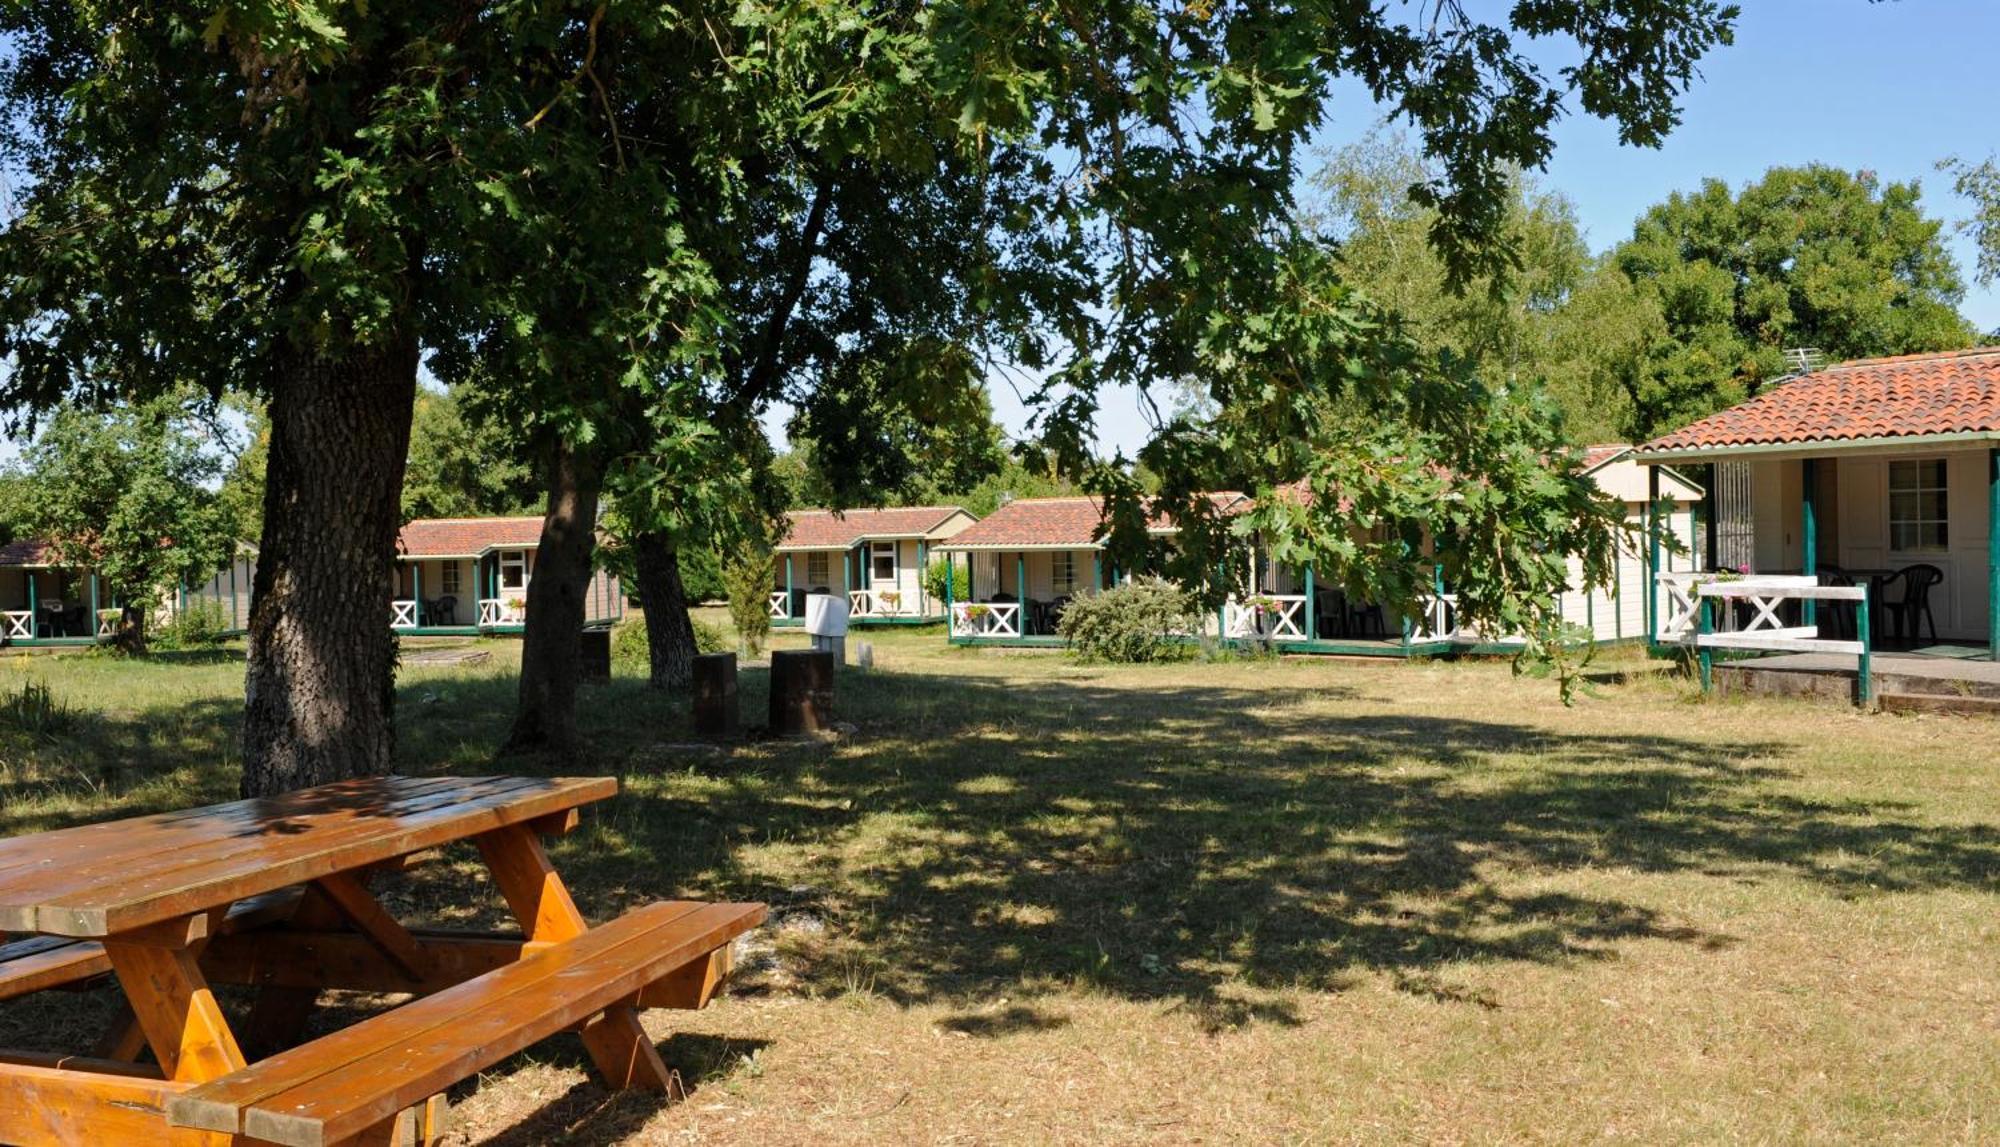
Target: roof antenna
[[1804, 359]]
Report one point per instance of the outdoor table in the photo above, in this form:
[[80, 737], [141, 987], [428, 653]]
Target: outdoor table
[[274, 893]]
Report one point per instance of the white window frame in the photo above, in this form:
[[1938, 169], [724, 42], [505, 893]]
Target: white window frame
[[1062, 573], [1918, 526], [877, 551], [818, 569], [517, 559]]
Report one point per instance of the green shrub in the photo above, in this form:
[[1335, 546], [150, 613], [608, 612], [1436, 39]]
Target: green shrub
[[199, 624], [942, 574], [748, 578], [34, 710], [1133, 622], [632, 649]]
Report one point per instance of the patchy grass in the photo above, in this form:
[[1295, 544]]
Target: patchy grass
[[1281, 901]]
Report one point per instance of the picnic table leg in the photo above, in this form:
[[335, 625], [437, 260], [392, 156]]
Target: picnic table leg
[[175, 1007], [618, 1045], [280, 1013], [124, 1039]]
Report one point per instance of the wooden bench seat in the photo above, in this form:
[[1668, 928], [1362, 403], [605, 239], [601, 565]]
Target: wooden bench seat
[[38, 963], [351, 1081]]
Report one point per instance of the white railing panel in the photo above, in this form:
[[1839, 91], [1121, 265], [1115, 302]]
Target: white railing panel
[[1766, 631], [781, 605], [501, 611], [1438, 619], [1265, 617], [20, 623], [107, 622], [403, 614], [876, 603], [986, 619]]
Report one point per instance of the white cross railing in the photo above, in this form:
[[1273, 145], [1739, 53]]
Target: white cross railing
[[1679, 607], [1765, 631], [107, 622], [403, 614], [20, 623], [1265, 616], [781, 605], [499, 611], [1437, 618], [876, 603], [986, 619]]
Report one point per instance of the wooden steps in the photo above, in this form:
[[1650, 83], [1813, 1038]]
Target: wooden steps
[[353, 1080]]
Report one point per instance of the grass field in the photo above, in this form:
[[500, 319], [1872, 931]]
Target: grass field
[[1031, 901]]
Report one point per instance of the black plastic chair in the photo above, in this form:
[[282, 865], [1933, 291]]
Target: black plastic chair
[[1915, 601], [1366, 620], [1836, 618], [444, 611]]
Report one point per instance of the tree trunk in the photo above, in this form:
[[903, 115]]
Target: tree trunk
[[669, 630], [320, 685], [545, 717]]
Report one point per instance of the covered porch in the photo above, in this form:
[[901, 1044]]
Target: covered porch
[[882, 580]]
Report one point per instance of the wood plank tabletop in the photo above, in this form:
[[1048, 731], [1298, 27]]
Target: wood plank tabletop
[[102, 879]]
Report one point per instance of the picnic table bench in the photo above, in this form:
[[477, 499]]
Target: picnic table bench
[[275, 893]]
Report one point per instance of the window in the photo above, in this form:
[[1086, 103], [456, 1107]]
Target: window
[[448, 579], [883, 565], [513, 569], [1062, 572], [1917, 515], [815, 569]]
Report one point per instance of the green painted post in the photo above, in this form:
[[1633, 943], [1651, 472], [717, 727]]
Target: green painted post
[[1312, 608], [1652, 571], [1993, 554], [1704, 653], [34, 608], [417, 588], [1867, 674], [950, 576], [1221, 616], [1097, 569], [1809, 534], [235, 618], [93, 604], [790, 561], [923, 599], [1021, 592]]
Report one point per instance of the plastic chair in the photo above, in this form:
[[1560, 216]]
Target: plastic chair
[[1915, 601], [1836, 618]]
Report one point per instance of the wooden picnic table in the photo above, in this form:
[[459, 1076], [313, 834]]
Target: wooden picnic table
[[275, 893]]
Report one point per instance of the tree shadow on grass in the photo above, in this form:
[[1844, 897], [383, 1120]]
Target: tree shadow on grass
[[1199, 843], [982, 836]]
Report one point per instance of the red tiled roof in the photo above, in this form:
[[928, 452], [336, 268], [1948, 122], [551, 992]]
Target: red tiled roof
[[1598, 455], [466, 537], [837, 530], [1055, 522], [1907, 396], [24, 552]]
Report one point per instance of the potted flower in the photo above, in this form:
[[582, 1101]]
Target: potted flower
[[516, 606]]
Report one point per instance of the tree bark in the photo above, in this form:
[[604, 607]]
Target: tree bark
[[545, 717], [320, 686], [670, 642]]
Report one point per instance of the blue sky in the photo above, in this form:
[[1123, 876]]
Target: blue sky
[[1890, 87]]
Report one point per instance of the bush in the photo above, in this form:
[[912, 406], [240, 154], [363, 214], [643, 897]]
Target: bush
[[1133, 622], [941, 574], [748, 578], [34, 710], [199, 624], [632, 649]]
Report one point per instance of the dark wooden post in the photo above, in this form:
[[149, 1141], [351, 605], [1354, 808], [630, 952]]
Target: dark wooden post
[[801, 691], [716, 712]]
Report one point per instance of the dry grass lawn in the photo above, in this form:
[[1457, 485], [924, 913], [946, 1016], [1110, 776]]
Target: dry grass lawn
[[1031, 901]]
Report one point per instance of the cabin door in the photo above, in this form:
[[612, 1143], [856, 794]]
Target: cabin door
[[514, 573]]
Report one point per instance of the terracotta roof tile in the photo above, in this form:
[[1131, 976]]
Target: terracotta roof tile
[[464, 537], [1909, 395], [1061, 522], [839, 529]]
